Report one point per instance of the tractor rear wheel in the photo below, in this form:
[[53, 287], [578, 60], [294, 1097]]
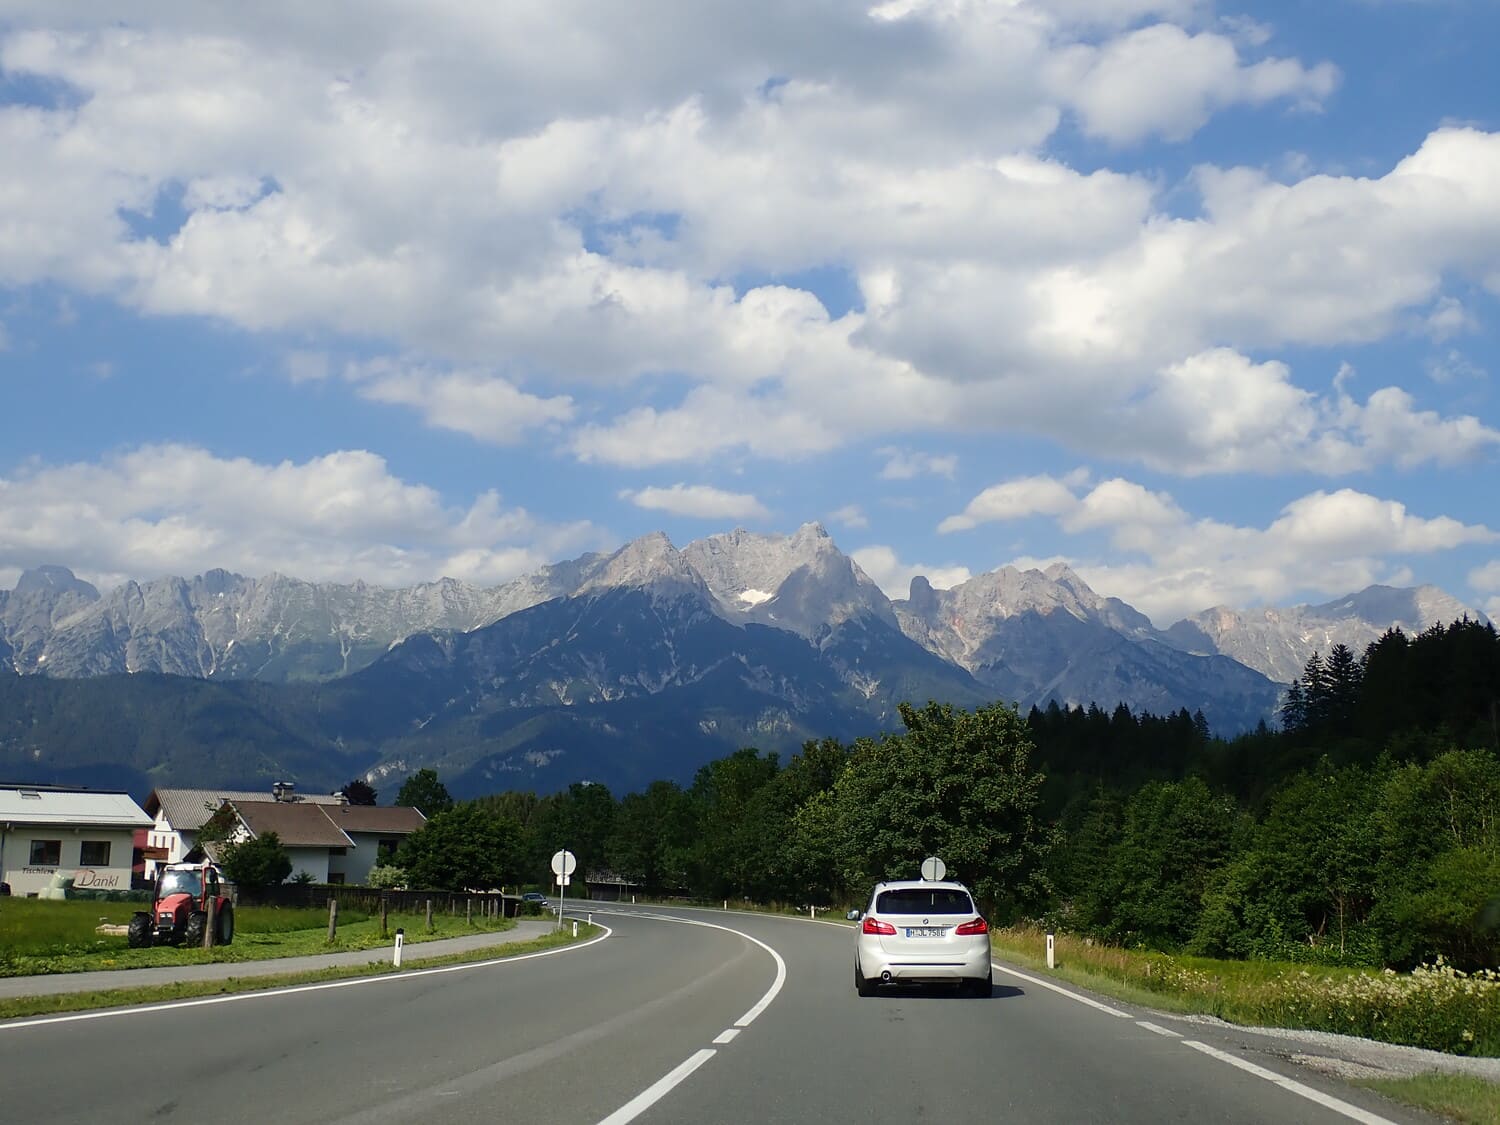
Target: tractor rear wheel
[[192, 933], [139, 934], [226, 925]]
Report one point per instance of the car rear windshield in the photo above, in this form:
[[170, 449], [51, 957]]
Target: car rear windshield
[[916, 900]]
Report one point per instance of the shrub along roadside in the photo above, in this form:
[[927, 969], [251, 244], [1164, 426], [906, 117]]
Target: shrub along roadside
[[1436, 1007], [21, 1006]]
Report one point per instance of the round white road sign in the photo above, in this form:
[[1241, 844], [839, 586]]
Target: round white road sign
[[933, 869], [564, 863]]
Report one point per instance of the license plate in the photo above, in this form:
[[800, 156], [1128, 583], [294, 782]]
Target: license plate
[[925, 931]]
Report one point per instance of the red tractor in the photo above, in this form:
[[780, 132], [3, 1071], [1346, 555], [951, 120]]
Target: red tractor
[[179, 912]]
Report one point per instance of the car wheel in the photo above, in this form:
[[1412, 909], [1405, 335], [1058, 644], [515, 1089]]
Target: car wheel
[[980, 986], [862, 984], [225, 921]]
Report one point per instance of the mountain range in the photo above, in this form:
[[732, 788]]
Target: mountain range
[[622, 667]]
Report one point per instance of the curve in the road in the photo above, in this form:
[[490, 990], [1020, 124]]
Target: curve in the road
[[684, 1070]]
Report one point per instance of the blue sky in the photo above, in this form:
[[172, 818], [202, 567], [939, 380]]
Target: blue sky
[[1200, 298]]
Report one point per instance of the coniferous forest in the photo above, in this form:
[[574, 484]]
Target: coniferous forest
[[1365, 830]]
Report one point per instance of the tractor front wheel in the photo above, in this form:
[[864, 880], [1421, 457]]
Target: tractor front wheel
[[226, 924], [139, 934], [192, 933]]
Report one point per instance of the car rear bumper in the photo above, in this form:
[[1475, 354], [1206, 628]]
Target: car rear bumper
[[951, 965]]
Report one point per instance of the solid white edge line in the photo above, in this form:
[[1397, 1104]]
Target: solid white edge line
[[1167, 1031], [658, 1089], [760, 1005], [1328, 1100], [1062, 991], [23, 1022], [726, 1036]]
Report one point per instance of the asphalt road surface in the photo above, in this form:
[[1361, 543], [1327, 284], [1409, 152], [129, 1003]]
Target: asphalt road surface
[[675, 1017]]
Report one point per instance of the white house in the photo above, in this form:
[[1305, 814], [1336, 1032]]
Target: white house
[[332, 843], [179, 815], [375, 831], [84, 834]]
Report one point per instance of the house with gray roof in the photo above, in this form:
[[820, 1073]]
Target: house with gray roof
[[180, 814], [52, 833]]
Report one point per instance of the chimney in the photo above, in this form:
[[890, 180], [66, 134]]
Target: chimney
[[284, 791]]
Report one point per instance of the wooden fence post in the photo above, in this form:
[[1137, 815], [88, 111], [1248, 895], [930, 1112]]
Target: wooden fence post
[[429, 916], [383, 904], [333, 919], [469, 911], [212, 928]]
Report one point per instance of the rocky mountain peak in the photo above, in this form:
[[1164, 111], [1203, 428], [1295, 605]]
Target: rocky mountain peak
[[800, 582], [650, 562], [53, 581]]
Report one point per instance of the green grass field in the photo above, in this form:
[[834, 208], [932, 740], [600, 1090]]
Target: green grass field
[[42, 936]]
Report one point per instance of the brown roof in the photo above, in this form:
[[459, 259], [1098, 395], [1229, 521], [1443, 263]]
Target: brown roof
[[391, 820], [296, 825], [189, 809]]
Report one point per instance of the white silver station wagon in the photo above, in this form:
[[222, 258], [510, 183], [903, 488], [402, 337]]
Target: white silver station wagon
[[922, 933]]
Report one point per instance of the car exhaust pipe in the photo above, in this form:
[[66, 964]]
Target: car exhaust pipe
[[885, 977]]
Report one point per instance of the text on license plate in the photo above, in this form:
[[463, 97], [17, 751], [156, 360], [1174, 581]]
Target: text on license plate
[[926, 931]]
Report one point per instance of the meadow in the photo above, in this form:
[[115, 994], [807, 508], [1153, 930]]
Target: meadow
[[43, 936]]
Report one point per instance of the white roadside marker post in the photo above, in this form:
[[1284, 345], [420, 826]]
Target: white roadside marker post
[[575, 927], [1051, 953], [400, 937]]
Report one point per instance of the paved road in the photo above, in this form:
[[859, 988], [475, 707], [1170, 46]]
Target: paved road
[[667, 1021]]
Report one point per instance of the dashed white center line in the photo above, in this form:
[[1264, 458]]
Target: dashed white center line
[[726, 1036], [658, 1089], [1149, 1026]]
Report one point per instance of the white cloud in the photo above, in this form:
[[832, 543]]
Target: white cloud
[[903, 464], [172, 509], [509, 194], [894, 577], [1449, 318], [1013, 500], [700, 501], [1174, 563], [1164, 80], [303, 366], [1452, 367], [1486, 579], [851, 516], [482, 406]]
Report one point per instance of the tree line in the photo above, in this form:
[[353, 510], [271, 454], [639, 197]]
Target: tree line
[[1366, 830]]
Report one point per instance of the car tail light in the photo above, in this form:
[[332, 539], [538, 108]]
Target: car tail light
[[876, 926], [978, 926]]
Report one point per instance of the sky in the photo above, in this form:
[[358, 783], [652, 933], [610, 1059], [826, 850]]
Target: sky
[[1200, 298]]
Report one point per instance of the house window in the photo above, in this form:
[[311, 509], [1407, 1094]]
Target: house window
[[386, 849], [93, 853], [46, 853]]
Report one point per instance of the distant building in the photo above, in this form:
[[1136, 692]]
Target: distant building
[[180, 814], [84, 835], [331, 843]]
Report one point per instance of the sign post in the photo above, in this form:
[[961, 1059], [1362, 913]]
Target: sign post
[[564, 863]]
